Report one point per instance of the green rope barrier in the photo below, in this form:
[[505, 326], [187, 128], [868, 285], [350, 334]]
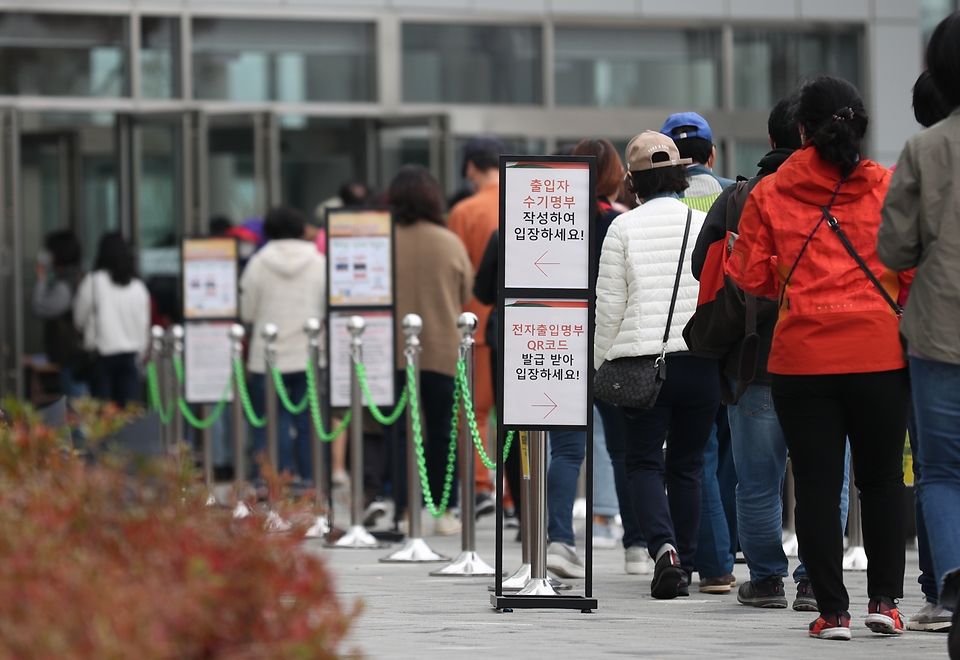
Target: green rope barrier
[[295, 409], [256, 422], [461, 386], [188, 415], [435, 511], [314, 402], [386, 420], [153, 394]]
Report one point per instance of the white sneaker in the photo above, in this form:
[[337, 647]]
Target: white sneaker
[[637, 560], [447, 525], [563, 561], [934, 618], [340, 478]]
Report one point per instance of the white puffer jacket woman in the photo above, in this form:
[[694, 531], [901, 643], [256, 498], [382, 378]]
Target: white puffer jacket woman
[[638, 268]]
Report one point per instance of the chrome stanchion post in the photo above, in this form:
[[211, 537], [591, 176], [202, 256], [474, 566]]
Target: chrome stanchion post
[[312, 328], [790, 544], [158, 349], [519, 580], [357, 536], [269, 335], [176, 338], [539, 584], [855, 558], [237, 421], [415, 549], [469, 562]]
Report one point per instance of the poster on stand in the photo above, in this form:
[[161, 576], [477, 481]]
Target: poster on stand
[[207, 362], [210, 279], [360, 257], [378, 357]]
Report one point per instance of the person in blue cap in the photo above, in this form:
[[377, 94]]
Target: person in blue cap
[[694, 139]]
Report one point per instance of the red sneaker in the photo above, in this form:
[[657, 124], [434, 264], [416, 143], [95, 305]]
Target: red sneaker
[[884, 617], [834, 626]]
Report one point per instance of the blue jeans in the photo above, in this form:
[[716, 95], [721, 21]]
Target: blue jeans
[[717, 547], [72, 387], [936, 401], [293, 455], [760, 455], [927, 579], [616, 446], [605, 501], [567, 449]]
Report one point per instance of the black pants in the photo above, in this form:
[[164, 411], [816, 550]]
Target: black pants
[[818, 414], [436, 397], [116, 379], [683, 416]]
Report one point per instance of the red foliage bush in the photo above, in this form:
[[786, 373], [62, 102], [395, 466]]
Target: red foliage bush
[[96, 564]]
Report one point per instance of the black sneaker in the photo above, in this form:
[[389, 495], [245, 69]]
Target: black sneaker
[[373, 511], [953, 640], [806, 601], [765, 593], [485, 504], [667, 577], [683, 589]]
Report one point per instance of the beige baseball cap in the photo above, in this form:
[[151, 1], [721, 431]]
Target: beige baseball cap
[[642, 148]]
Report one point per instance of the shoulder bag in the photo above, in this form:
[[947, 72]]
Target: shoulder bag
[[634, 382], [87, 360]]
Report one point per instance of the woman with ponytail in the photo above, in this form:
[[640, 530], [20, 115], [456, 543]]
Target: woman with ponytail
[[808, 237]]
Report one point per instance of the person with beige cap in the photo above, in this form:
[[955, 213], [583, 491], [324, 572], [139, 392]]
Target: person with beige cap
[[646, 293]]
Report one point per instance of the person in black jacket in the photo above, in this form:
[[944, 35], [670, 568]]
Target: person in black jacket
[[759, 449]]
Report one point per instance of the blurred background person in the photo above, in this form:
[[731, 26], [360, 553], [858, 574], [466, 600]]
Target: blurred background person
[[437, 293], [58, 274], [112, 310], [284, 283]]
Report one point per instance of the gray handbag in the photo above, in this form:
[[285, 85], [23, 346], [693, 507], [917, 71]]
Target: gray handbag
[[634, 382]]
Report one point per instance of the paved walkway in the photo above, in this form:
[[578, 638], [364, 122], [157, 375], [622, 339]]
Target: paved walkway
[[408, 614]]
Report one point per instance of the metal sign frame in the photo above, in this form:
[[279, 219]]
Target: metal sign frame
[[585, 603]]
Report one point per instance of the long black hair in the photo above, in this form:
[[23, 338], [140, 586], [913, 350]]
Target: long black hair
[[943, 58], [114, 256], [833, 117]]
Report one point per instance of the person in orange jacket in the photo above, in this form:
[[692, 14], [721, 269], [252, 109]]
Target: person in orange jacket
[[474, 220], [836, 361]]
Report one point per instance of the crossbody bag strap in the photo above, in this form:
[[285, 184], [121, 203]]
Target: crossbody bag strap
[[676, 283], [835, 226]]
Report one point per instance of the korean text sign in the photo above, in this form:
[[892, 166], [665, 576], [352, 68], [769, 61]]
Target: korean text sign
[[210, 278]]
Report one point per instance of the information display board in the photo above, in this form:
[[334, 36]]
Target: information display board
[[210, 278], [360, 268], [546, 362], [546, 299], [207, 361], [360, 257]]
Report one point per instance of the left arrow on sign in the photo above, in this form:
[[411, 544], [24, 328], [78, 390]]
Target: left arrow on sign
[[539, 263], [552, 405]]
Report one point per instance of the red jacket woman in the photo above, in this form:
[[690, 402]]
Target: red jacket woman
[[836, 362]]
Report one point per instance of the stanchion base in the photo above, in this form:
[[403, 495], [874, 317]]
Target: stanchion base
[[537, 587], [468, 564], [791, 546], [855, 559], [274, 523], [357, 537], [319, 529], [519, 580], [212, 500], [241, 511], [414, 550], [544, 602]]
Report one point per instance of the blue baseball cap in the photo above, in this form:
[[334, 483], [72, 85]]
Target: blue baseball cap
[[701, 128]]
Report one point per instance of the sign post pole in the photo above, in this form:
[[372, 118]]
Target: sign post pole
[[238, 422], [357, 536], [415, 549], [320, 527], [158, 348], [469, 562], [270, 396], [176, 333], [538, 584]]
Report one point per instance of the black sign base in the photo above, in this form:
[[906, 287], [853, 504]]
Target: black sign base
[[508, 603]]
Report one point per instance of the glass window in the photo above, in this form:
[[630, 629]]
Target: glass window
[[471, 64], [245, 60], [932, 12], [605, 67], [159, 58], [62, 55], [748, 154], [768, 65]]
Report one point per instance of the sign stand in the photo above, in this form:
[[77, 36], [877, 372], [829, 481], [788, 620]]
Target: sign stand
[[546, 299]]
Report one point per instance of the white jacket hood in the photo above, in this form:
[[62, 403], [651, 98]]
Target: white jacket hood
[[287, 257]]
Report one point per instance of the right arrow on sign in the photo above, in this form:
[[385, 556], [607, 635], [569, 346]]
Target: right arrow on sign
[[552, 405], [539, 263]]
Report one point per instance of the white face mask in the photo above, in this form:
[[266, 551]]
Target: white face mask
[[44, 258]]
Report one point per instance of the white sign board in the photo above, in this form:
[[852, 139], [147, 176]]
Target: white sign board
[[210, 278], [207, 362], [547, 218], [546, 362], [360, 256], [378, 357]]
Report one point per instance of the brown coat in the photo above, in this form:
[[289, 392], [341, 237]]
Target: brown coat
[[434, 280]]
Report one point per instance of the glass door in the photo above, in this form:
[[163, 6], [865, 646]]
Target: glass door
[[413, 140]]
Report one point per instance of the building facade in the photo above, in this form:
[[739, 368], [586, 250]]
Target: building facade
[[152, 116]]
